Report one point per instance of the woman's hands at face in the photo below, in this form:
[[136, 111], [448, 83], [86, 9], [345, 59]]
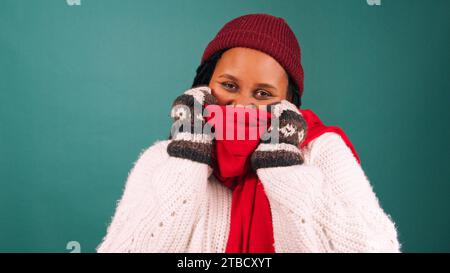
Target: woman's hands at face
[[192, 140]]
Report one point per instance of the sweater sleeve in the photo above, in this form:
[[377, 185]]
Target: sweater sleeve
[[327, 204], [159, 205]]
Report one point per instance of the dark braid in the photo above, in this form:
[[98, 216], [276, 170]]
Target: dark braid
[[294, 92], [206, 70]]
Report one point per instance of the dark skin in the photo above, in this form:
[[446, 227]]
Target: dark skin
[[245, 76]]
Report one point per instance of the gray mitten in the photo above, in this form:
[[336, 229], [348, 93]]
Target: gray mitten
[[191, 138], [280, 144]]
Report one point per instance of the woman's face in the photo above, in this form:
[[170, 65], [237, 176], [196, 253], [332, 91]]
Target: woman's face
[[245, 76]]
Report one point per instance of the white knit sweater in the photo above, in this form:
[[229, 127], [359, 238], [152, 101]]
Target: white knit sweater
[[325, 205]]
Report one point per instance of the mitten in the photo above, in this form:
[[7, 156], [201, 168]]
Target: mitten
[[280, 144], [191, 136]]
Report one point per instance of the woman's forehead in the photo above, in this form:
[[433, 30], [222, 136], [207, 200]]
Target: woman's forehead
[[246, 64]]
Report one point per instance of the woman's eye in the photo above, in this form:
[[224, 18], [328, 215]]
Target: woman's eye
[[262, 94], [229, 86]]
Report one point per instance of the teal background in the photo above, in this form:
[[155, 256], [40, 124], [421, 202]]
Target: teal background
[[84, 89]]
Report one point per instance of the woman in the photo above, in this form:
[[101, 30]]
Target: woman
[[298, 187]]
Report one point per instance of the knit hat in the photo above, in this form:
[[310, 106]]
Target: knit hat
[[264, 32]]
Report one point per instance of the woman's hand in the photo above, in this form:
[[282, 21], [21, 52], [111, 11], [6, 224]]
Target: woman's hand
[[280, 144], [191, 138]]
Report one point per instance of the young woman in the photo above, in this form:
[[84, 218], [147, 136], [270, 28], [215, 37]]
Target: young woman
[[306, 192]]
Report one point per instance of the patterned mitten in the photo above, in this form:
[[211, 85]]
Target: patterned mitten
[[280, 143], [191, 139]]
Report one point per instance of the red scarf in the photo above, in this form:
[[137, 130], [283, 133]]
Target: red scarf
[[251, 229]]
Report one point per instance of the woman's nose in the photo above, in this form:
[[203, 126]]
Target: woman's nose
[[240, 100]]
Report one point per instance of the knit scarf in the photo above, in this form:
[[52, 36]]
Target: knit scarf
[[251, 229]]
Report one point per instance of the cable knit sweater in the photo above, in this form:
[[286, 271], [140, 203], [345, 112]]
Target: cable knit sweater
[[325, 205]]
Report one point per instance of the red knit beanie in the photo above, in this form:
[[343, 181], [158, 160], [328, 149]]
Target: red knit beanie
[[264, 32]]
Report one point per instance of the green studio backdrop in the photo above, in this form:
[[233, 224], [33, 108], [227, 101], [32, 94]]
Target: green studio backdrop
[[85, 88]]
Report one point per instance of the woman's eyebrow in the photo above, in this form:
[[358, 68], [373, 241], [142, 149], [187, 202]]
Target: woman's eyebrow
[[231, 77]]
